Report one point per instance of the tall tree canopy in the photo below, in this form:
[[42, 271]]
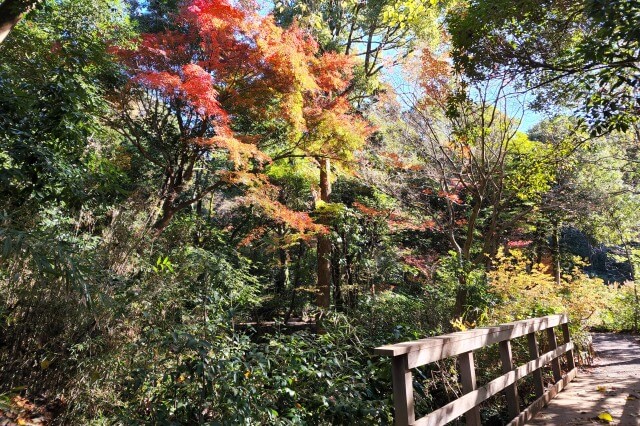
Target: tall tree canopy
[[584, 53], [205, 98]]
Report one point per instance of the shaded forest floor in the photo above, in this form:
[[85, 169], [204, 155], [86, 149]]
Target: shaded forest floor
[[16, 410]]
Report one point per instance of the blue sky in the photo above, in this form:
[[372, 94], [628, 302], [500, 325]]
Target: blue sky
[[516, 107]]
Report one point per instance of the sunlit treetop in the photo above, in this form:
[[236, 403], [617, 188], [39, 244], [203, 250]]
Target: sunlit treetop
[[231, 78]]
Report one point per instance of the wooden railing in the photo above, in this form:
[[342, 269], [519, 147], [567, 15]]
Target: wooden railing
[[408, 355]]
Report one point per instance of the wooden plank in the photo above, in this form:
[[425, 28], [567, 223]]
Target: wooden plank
[[567, 338], [402, 392], [478, 335], [555, 364], [533, 354], [457, 346], [541, 402], [466, 402], [468, 379], [511, 391]]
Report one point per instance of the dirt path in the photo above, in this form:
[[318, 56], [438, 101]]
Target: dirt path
[[612, 385]]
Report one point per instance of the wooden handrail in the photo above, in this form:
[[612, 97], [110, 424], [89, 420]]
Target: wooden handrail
[[408, 355]]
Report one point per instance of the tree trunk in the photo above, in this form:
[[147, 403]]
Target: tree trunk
[[296, 281], [461, 299], [471, 227], [348, 270], [283, 274], [163, 221], [555, 241], [636, 307], [336, 278], [323, 295], [11, 12]]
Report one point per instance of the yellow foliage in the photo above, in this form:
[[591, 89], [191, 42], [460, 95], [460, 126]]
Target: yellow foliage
[[461, 325], [527, 290]]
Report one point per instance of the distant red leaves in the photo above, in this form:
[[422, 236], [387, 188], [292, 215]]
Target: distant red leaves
[[253, 235], [393, 160], [420, 263], [435, 76], [192, 84], [399, 222], [430, 224], [454, 198], [370, 211], [518, 243], [334, 72]]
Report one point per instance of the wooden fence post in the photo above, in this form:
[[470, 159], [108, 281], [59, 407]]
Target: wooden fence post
[[468, 378], [555, 363], [567, 338], [511, 391], [533, 354], [402, 391]]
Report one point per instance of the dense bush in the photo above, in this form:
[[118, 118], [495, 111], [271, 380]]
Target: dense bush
[[622, 312]]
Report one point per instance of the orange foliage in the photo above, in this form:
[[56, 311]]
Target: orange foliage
[[454, 198], [435, 75], [370, 211], [398, 222], [430, 224], [395, 162], [226, 60], [239, 152], [300, 222]]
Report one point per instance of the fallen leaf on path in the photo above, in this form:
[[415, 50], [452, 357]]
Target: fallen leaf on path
[[601, 389], [606, 417]]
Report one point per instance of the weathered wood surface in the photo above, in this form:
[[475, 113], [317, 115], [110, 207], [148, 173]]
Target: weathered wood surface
[[433, 349], [408, 355]]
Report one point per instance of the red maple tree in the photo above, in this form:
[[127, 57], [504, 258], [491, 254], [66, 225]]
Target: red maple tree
[[203, 96]]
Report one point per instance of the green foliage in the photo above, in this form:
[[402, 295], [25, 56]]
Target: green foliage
[[458, 275], [51, 104], [530, 173], [622, 312], [580, 54], [184, 358]]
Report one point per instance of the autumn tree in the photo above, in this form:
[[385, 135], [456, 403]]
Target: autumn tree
[[199, 92], [475, 176], [332, 133], [379, 35]]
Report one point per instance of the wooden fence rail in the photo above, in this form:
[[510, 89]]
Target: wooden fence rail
[[408, 355]]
